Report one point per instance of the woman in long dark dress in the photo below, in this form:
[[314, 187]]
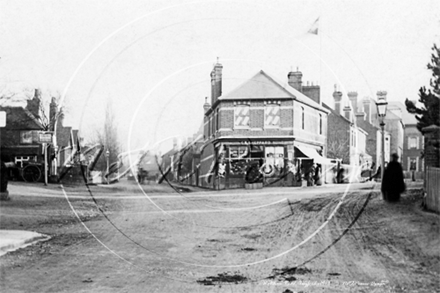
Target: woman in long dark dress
[[393, 184]]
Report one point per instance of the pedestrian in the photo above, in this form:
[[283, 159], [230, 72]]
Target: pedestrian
[[376, 175], [317, 176], [392, 182], [340, 175], [310, 175]]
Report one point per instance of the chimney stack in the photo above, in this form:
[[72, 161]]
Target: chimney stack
[[216, 82], [337, 96], [295, 80], [352, 96], [367, 109], [347, 112]]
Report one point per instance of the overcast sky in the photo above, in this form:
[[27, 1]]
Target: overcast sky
[[152, 59]]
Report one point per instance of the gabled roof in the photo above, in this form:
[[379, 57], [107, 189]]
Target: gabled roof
[[260, 86], [20, 118], [335, 113], [264, 86]]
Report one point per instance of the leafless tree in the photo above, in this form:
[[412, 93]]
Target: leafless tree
[[108, 137], [338, 148]]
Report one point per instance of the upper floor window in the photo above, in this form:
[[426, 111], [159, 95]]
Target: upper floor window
[[26, 137], [302, 117], [241, 115], [272, 115], [413, 143], [320, 123]]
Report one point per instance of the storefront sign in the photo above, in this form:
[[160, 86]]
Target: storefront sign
[[45, 137], [264, 142]]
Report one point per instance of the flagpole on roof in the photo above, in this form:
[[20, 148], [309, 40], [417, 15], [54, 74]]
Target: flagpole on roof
[[320, 54]]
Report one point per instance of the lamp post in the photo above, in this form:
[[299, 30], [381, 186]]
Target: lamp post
[[107, 155], [381, 112]]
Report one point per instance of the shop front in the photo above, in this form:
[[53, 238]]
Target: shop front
[[270, 162]]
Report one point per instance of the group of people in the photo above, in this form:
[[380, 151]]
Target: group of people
[[314, 176]]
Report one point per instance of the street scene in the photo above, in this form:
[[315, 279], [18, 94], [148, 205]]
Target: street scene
[[223, 146]]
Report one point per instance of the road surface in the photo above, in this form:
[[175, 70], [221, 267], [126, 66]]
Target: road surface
[[320, 239]]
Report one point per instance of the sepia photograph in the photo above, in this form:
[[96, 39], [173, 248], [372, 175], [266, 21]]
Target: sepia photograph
[[220, 146]]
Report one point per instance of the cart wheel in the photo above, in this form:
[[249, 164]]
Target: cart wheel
[[31, 173]]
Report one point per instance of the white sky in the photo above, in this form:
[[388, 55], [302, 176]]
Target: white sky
[[153, 58]]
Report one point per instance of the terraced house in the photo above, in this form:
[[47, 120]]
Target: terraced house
[[264, 126]]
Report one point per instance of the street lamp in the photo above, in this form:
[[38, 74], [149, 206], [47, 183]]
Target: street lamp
[[107, 155], [381, 112]]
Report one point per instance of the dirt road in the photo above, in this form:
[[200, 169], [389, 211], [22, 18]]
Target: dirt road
[[277, 240]]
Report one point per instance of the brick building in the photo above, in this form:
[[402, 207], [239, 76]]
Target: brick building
[[277, 128], [346, 140], [413, 142], [20, 138]]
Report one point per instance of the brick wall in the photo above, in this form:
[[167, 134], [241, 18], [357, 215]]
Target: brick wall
[[432, 147], [371, 142], [338, 140]]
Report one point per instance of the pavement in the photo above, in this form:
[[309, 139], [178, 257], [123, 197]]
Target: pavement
[[11, 240]]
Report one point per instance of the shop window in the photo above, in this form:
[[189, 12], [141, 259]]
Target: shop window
[[238, 156], [274, 161]]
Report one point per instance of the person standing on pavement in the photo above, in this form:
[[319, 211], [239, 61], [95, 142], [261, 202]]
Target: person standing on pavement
[[392, 182], [317, 176]]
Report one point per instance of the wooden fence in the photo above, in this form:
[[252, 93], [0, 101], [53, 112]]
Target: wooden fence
[[432, 189]]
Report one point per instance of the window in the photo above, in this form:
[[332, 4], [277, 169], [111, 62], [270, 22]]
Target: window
[[26, 137], [413, 143], [217, 119], [302, 117], [238, 157], [413, 162], [241, 116], [272, 115], [320, 123]]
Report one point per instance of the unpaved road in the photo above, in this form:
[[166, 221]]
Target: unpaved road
[[275, 240]]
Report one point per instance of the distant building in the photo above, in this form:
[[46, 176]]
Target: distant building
[[277, 128], [346, 141], [20, 138], [366, 118], [413, 142]]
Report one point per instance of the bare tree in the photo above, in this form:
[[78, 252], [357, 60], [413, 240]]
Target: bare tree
[[45, 112], [108, 137], [338, 148]]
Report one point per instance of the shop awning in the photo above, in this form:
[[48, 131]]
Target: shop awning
[[313, 154]]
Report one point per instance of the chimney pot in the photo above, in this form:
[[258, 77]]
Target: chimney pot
[[295, 80]]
